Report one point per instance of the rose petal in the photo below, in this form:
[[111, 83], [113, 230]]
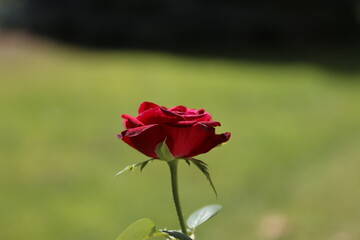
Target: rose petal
[[211, 142], [188, 123], [131, 122], [158, 115], [192, 140], [191, 112], [179, 108], [146, 106], [144, 139], [210, 123], [183, 124], [171, 113], [200, 111], [189, 115], [198, 117]]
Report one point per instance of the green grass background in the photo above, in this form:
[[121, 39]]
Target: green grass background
[[294, 150]]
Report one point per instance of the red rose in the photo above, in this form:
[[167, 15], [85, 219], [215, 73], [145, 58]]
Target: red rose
[[188, 132]]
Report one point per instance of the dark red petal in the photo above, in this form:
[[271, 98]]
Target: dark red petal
[[200, 111], [179, 108], [211, 142], [210, 123], [131, 122], [185, 123], [189, 123], [158, 115], [198, 117], [146, 106], [144, 139], [192, 112], [196, 138], [171, 113]]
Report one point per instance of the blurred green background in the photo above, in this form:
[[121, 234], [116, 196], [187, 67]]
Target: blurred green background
[[289, 171]]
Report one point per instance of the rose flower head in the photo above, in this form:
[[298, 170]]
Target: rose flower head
[[186, 132]]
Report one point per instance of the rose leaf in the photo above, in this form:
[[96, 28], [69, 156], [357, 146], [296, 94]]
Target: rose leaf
[[142, 165], [202, 166], [202, 215]]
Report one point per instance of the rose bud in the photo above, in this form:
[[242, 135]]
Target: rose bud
[[187, 132]]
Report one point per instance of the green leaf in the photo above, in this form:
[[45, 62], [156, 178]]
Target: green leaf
[[140, 230], [202, 215], [132, 167], [163, 152], [178, 235], [203, 168], [143, 165]]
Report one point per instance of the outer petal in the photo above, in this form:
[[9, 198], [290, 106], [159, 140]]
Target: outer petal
[[146, 106], [198, 117], [210, 123], [180, 108], [144, 139], [190, 114], [191, 140], [158, 115], [200, 111], [131, 122], [210, 143], [189, 123], [172, 113], [150, 113]]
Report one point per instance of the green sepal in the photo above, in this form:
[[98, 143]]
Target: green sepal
[[143, 165], [163, 152], [202, 166], [202, 215], [187, 161], [132, 167]]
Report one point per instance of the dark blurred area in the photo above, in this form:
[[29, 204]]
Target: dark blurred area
[[231, 28]]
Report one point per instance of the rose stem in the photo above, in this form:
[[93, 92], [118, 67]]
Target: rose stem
[[173, 171]]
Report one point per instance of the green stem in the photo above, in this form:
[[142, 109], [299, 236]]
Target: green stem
[[173, 171]]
